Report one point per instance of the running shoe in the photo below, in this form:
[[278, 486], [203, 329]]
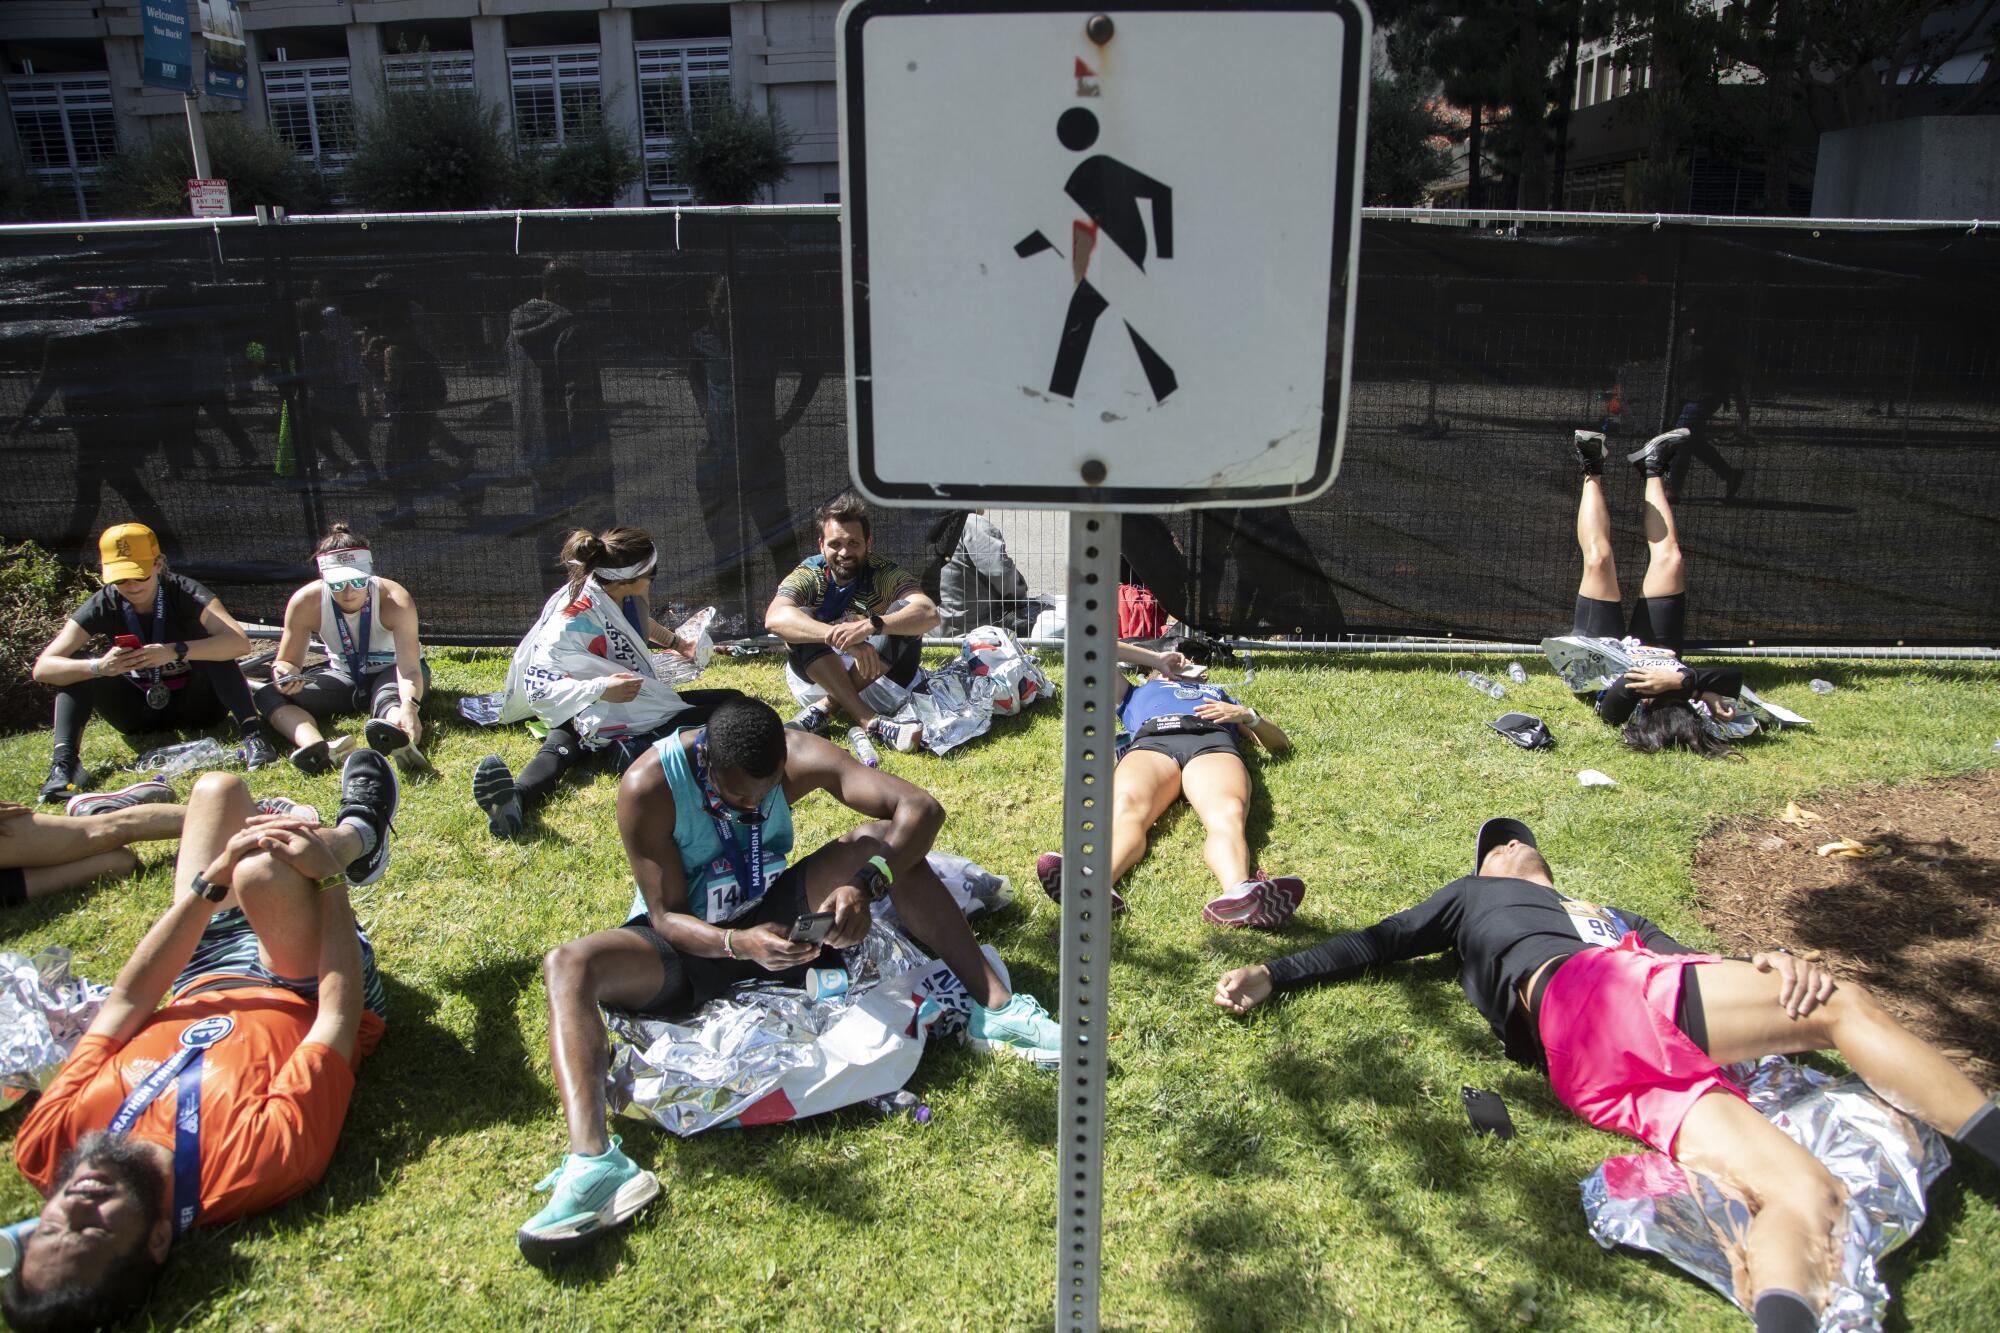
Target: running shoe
[[811, 719], [384, 737], [65, 776], [1590, 451], [904, 736], [412, 761], [338, 750], [312, 760], [258, 751], [279, 805], [1656, 456], [494, 791], [1048, 869], [150, 791], [1020, 1028], [1262, 904], [368, 792], [591, 1195]]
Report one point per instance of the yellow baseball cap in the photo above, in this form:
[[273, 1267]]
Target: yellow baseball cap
[[128, 552]]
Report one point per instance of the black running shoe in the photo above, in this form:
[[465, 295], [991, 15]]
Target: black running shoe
[[65, 779], [368, 791], [1590, 451], [257, 748], [312, 760], [1656, 456], [494, 791], [384, 737]]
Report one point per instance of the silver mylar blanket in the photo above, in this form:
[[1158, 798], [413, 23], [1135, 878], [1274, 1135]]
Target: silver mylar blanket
[[1588, 665], [43, 1013], [1885, 1159], [704, 1071]]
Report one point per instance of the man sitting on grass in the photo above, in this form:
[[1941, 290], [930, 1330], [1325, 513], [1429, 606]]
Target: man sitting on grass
[[707, 822], [229, 1100], [1633, 1027]]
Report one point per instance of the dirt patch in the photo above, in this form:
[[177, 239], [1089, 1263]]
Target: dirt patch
[[1919, 924]]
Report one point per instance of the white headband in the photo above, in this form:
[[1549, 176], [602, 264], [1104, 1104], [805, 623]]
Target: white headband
[[352, 561], [623, 573]]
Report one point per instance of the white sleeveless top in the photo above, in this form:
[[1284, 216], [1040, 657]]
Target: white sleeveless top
[[381, 645]]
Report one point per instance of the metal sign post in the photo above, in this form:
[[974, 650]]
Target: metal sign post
[[1098, 259]]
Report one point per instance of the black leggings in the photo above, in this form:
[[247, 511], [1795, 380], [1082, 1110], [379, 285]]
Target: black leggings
[[1658, 622], [213, 690], [564, 750]]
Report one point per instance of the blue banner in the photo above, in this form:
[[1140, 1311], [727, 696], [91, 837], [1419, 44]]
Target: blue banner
[[167, 46], [228, 65]]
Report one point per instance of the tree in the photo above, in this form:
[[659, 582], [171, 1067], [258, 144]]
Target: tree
[[1408, 142], [590, 169], [729, 152], [149, 179], [433, 149]]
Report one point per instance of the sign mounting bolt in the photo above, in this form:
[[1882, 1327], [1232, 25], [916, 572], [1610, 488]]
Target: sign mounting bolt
[[1099, 29]]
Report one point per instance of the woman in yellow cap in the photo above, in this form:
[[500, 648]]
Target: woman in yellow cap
[[152, 651]]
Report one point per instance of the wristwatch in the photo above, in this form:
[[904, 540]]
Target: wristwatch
[[876, 622], [200, 884], [874, 879], [181, 651]]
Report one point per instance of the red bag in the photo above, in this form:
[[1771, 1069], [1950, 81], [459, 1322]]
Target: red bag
[[1140, 615]]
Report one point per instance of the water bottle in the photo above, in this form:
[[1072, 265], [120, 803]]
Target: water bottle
[[14, 1237], [1517, 673], [1483, 685], [188, 757], [1820, 686], [864, 748], [902, 1102]]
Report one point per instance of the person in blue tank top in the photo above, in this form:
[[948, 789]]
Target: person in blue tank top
[[708, 832], [1184, 743]]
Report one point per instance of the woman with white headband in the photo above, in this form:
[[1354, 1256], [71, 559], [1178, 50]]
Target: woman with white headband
[[367, 627], [586, 671]]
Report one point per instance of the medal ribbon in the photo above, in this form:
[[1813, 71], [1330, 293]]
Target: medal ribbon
[[752, 876], [152, 675], [184, 1070]]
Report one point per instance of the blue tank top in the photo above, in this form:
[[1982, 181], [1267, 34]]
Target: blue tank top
[[714, 891], [1167, 698]]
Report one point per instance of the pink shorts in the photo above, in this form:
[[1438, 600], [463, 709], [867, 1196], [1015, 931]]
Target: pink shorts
[[1615, 1056]]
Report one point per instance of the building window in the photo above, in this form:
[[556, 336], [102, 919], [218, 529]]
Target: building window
[[311, 107], [65, 129], [676, 80], [445, 71], [556, 93]]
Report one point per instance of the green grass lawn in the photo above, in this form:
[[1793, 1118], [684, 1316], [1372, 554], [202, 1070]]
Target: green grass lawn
[[1308, 1167]]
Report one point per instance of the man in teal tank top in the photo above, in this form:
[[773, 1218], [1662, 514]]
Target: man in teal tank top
[[707, 823]]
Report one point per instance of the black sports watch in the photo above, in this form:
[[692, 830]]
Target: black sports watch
[[181, 651], [874, 879], [200, 884], [876, 621]]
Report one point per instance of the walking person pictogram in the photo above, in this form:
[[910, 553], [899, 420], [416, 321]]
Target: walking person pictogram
[[1108, 191]]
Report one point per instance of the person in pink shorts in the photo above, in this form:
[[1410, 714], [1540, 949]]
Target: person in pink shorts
[[1633, 1028]]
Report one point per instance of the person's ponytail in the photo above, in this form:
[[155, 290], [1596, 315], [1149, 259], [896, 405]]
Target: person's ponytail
[[582, 552]]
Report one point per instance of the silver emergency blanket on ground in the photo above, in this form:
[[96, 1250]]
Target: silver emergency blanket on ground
[[768, 1053], [1885, 1159], [1588, 665], [43, 1013]]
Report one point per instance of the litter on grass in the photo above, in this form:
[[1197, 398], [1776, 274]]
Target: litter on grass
[[1590, 777], [1859, 851]]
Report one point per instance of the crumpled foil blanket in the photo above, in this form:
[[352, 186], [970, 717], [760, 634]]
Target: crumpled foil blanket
[[43, 1012]]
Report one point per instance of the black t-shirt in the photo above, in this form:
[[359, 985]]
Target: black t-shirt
[[103, 617], [1619, 702], [1502, 930]]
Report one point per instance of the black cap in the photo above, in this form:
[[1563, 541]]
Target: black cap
[[1496, 831]]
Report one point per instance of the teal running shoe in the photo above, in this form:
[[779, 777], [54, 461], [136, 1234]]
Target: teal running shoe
[[1020, 1028], [592, 1194]]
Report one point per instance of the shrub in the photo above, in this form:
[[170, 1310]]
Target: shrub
[[149, 180], [432, 150], [730, 152], [590, 170], [23, 198], [37, 593]]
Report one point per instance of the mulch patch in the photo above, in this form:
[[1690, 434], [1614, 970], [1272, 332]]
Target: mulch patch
[[1919, 925]]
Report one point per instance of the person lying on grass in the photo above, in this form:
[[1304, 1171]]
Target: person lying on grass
[[43, 854], [1633, 1027], [1655, 703], [1185, 737], [367, 627], [227, 1101], [706, 818]]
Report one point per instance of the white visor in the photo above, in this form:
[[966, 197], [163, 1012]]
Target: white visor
[[348, 563]]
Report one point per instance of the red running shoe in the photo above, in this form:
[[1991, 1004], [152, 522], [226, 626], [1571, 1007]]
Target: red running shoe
[[1263, 904], [1048, 869]]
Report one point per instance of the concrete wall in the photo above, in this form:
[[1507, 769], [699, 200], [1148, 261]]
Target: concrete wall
[[1924, 167]]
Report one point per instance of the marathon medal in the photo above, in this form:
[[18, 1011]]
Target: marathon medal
[[157, 694]]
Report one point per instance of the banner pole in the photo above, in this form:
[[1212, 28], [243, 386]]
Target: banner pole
[[197, 140], [1090, 685]]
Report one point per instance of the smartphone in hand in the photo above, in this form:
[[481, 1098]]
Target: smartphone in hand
[[812, 928], [127, 641]]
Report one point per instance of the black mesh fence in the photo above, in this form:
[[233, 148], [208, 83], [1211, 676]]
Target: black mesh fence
[[465, 391]]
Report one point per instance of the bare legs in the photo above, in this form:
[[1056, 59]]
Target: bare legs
[[1218, 787], [1663, 544], [56, 852], [1664, 576], [296, 725], [1143, 785], [832, 675], [1796, 1202]]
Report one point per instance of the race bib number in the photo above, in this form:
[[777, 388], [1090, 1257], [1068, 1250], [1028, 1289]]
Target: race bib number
[[1593, 924], [726, 897]]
